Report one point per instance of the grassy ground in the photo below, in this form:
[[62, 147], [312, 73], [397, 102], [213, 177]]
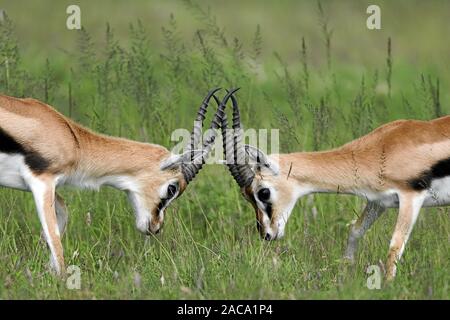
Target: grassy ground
[[142, 80]]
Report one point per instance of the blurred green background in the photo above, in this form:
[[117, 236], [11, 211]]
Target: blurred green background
[[139, 69], [419, 28]]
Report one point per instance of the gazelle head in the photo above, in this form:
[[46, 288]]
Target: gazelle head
[[170, 178], [156, 188], [269, 190]]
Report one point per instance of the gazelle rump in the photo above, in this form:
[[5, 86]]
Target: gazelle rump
[[40, 150], [404, 164]]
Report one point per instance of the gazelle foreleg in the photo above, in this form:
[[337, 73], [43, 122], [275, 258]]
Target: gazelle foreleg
[[371, 213], [410, 204], [43, 189]]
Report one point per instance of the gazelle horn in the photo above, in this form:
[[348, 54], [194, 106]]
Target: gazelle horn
[[196, 162], [234, 151]]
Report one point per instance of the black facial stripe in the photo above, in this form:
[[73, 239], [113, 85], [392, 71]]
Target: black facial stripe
[[439, 170], [258, 225], [268, 209], [161, 205], [33, 160]]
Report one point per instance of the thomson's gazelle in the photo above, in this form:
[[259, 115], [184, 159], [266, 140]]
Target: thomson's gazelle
[[40, 149], [404, 164]]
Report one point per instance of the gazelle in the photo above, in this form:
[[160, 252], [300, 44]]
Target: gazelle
[[40, 150], [404, 164]]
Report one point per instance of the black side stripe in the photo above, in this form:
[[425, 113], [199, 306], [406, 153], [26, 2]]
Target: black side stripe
[[33, 159], [439, 170]]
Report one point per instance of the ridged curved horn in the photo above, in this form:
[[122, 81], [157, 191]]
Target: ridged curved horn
[[201, 115], [234, 151], [191, 169]]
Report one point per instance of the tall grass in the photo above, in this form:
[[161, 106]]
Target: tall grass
[[209, 247]]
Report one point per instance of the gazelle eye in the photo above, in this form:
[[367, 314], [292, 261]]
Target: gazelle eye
[[171, 190], [264, 194]]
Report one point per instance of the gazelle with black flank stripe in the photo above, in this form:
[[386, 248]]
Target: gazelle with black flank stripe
[[40, 150], [404, 164]]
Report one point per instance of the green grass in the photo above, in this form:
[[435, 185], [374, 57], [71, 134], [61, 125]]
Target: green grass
[[145, 82]]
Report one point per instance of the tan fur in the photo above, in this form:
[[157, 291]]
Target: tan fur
[[74, 150], [69, 146], [396, 153], [384, 160]]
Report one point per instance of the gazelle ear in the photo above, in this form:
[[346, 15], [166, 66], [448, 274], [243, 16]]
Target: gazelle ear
[[175, 160], [258, 160]]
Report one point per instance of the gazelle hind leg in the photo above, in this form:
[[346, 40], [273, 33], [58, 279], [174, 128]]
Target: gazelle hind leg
[[61, 217], [43, 189], [61, 214], [370, 214], [410, 204]]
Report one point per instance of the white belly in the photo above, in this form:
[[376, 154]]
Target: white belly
[[439, 193], [12, 167]]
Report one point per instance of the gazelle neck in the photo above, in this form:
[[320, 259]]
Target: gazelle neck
[[326, 171], [116, 162]]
